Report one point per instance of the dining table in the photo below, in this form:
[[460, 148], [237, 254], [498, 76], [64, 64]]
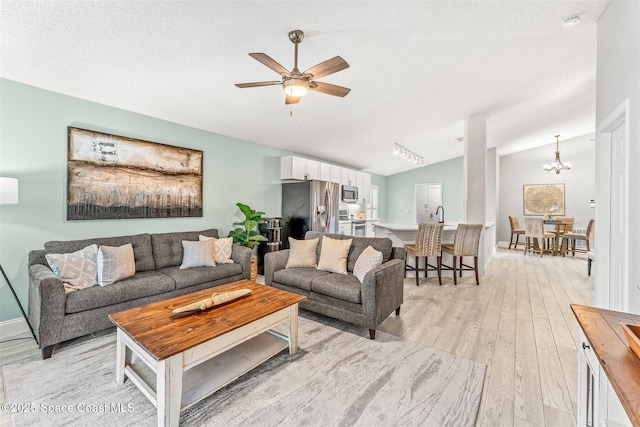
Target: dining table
[[558, 231]]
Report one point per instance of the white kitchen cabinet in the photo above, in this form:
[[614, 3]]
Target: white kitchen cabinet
[[363, 184], [292, 167], [345, 228], [336, 174], [313, 169], [325, 172], [371, 227], [349, 177]]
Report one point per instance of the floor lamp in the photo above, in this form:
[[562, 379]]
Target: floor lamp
[[9, 196]]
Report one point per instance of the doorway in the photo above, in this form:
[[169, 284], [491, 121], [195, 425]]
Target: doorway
[[427, 199]]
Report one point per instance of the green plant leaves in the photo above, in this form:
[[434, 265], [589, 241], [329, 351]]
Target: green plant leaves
[[247, 235]]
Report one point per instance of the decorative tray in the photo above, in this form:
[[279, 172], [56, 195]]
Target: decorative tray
[[632, 332]]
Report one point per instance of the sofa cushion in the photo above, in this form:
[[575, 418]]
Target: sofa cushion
[[198, 254], [222, 248], [318, 235], [167, 247], [381, 244], [341, 286], [115, 263], [302, 253], [141, 243], [199, 275], [78, 270], [141, 285], [300, 277], [367, 261], [333, 256]]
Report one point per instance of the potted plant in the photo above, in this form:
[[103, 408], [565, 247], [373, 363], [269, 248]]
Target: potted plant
[[247, 234]]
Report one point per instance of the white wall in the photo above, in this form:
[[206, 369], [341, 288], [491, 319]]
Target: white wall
[[618, 79], [525, 167]]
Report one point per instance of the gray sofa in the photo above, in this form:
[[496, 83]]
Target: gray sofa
[[57, 316], [342, 296]]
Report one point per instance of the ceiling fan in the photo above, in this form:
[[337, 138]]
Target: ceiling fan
[[297, 84]]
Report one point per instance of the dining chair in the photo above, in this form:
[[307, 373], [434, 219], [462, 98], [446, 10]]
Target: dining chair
[[465, 243], [515, 231], [569, 239], [566, 226], [535, 235], [428, 244]]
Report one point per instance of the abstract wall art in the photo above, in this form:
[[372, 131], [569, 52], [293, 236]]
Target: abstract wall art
[[543, 199], [115, 177]]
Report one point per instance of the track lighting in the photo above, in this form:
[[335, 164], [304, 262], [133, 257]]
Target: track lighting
[[407, 154]]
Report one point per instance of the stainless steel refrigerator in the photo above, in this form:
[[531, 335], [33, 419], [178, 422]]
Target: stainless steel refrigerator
[[310, 205]]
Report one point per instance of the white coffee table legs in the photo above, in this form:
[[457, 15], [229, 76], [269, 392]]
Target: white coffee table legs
[[169, 390], [293, 329]]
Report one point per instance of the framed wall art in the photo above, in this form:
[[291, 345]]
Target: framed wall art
[[543, 199], [115, 177]]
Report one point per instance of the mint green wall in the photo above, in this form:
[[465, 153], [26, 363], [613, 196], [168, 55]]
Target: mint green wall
[[33, 148], [400, 191]]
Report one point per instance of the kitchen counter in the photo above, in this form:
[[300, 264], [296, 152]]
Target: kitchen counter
[[413, 227]]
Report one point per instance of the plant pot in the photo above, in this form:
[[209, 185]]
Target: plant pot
[[254, 267]]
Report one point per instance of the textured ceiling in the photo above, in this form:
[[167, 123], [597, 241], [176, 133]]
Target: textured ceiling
[[417, 69]]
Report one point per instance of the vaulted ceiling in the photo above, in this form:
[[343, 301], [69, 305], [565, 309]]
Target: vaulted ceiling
[[417, 69]]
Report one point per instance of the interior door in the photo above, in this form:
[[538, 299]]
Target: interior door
[[618, 261], [427, 199]]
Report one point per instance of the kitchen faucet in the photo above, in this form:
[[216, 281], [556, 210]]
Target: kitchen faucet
[[441, 220]]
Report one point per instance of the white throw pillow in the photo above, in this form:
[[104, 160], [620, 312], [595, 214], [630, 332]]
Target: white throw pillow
[[333, 255], [367, 261], [78, 270], [198, 254], [303, 253], [222, 249], [115, 263]]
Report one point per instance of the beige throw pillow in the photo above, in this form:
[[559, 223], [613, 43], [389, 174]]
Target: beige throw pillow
[[78, 270], [197, 254], [302, 253], [222, 249], [115, 263], [333, 255], [367, 261]]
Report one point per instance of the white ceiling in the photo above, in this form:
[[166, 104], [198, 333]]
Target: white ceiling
[[417, 69]]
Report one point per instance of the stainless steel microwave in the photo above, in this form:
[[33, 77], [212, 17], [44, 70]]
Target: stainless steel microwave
[[349, 194]]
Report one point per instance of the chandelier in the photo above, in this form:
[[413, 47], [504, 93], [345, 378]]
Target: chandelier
[[557, 165]]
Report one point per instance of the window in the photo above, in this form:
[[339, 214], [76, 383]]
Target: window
[[372, 206]]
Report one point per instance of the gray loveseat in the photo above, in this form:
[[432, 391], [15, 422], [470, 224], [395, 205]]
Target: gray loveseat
[[57, 316], [342, 296]]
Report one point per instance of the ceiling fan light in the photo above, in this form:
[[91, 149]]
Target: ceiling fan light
[[295, 87]]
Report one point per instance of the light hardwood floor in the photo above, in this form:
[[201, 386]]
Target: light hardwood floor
[[517, 322]]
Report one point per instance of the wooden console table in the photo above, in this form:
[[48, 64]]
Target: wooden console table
[[606, 341]]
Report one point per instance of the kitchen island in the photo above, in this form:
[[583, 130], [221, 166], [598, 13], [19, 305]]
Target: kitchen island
[[400, 234]]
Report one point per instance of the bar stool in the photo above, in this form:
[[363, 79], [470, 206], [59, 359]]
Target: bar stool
[[465, 243], [428, 243], [515, 231]]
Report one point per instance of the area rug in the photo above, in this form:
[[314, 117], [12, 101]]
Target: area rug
[[337, 378]]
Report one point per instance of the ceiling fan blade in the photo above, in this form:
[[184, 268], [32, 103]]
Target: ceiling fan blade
[[291, 100], [329, 89], [258, 84], [270, 62], [327, 67]]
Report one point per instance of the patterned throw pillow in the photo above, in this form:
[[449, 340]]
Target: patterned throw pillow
[[367, 261], [303, 253], [78, 270], [333, 255], [115, 263], [221, 249], [197, 254]]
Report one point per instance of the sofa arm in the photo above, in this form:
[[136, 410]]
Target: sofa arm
[[242, 255], [47, 300], [274, 261], [398, 253], [382, 291]]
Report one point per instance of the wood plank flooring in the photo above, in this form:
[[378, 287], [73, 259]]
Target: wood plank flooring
[[517, 322]]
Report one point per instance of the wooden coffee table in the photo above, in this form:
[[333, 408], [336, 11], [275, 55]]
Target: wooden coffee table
[[177, 361]]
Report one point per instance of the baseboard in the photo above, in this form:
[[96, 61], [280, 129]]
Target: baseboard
[[14, 327]]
